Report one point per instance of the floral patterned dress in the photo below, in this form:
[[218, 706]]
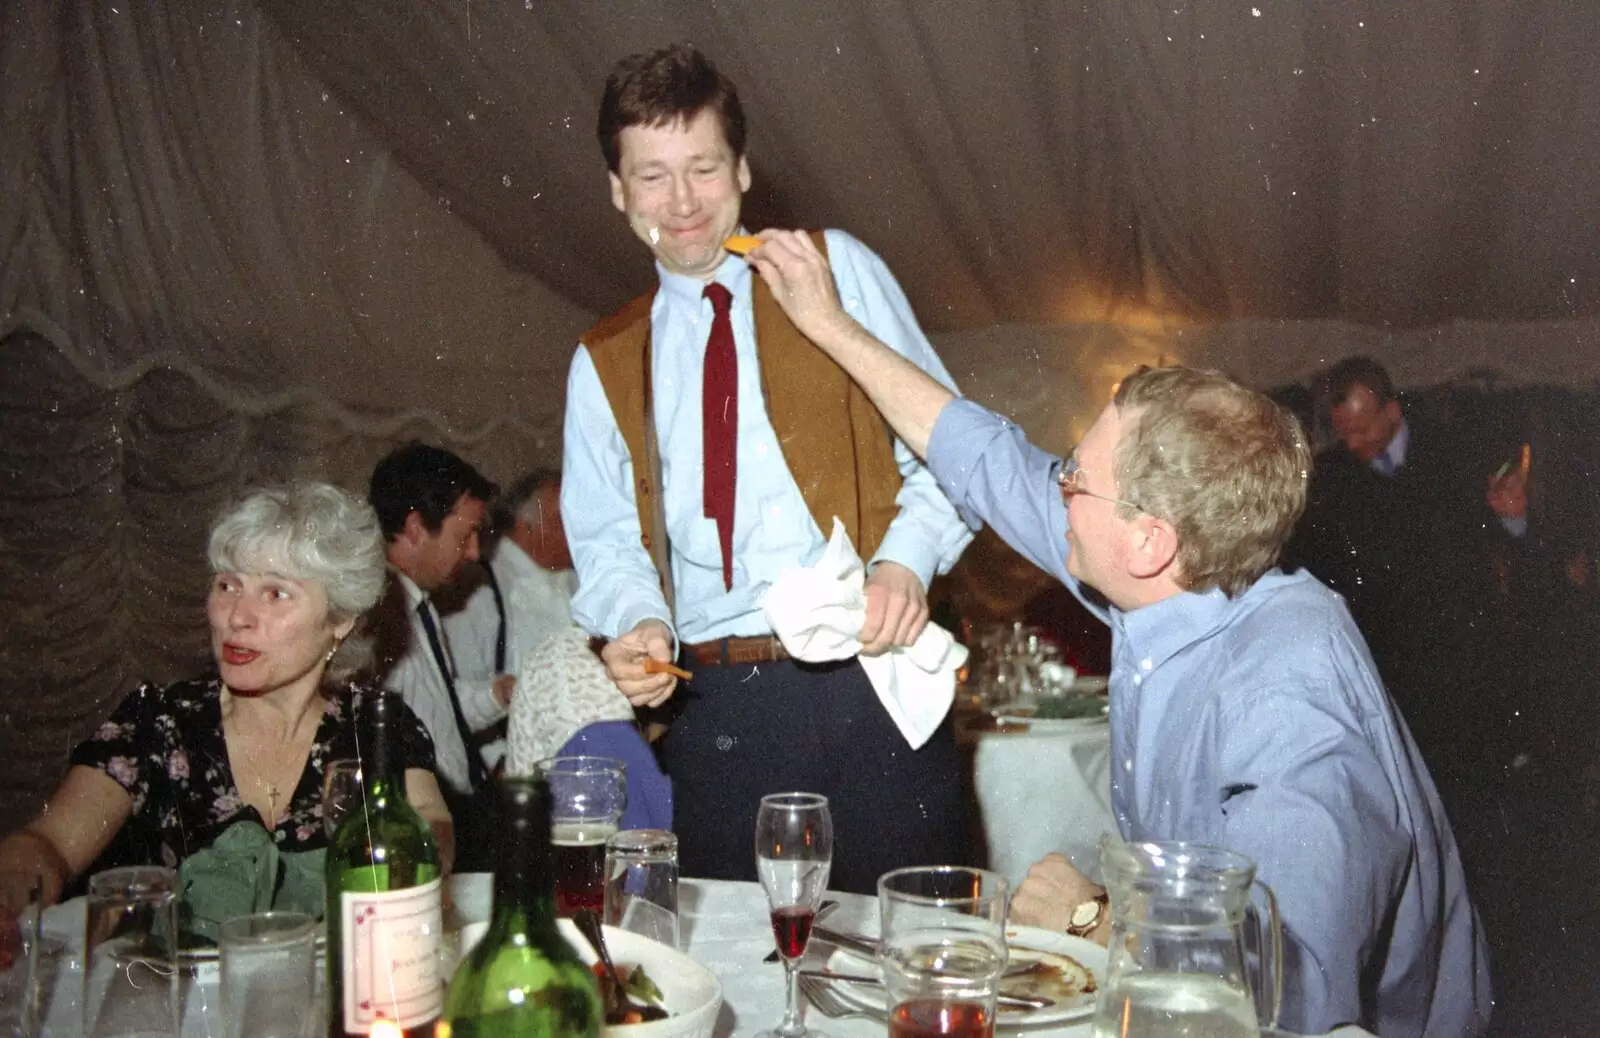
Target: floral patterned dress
[[165, 747]]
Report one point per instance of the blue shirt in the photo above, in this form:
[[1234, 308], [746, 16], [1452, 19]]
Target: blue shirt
[[1258, 723], [773, 529]]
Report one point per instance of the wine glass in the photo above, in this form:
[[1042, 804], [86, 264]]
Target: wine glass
[[341, 792], [794, 851]]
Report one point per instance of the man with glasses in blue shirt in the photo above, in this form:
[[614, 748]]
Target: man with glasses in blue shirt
[[1246, 711]]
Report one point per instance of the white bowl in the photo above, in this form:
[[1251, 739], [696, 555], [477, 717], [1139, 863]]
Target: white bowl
[[690, 992]]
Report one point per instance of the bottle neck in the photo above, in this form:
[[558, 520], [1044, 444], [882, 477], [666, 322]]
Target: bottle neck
[[377, 763], [523, 882]]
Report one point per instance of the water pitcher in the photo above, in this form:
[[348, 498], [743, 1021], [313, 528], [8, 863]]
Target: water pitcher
[[1183, 944]]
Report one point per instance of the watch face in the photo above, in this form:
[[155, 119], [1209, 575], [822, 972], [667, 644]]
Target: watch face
[[1085, 913]]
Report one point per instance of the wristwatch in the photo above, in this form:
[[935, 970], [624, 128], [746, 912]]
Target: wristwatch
[[1086, 916]]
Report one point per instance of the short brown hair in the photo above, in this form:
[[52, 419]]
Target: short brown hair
[[662, 87], [1352, 373], [1223, 464]]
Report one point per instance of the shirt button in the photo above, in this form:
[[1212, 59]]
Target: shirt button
[[1145, 664], [1138, 679], [1127, 765], [761, 450]]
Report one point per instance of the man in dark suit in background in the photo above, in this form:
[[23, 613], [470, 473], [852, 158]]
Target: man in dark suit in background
[[1405, 520]]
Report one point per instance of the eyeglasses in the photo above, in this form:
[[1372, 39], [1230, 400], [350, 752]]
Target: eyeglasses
[[1070, 479]]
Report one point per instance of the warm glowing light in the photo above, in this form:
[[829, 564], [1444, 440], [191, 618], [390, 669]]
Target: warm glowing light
[[390, 1029]]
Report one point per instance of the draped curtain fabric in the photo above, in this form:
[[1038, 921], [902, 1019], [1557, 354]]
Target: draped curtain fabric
[[246, 240]]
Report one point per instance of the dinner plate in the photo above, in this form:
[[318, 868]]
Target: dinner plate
[[1026, 942]]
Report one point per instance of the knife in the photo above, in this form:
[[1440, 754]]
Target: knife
[[1003, 999]]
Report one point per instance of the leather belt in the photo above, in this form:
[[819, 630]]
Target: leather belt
[[728, 652]]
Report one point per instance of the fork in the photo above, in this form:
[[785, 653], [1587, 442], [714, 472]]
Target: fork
[[828, 1003]]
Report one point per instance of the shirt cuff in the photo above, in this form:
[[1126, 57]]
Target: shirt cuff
[[1516, 526], [628, 620], [911, 549], [478, 703]]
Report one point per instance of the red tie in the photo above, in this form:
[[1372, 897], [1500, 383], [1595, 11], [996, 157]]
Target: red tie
[[719, 403]]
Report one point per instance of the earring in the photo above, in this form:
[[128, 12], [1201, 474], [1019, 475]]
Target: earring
[[329, 657]]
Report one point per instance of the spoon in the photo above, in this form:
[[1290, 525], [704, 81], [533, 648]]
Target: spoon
[[618, 1003]]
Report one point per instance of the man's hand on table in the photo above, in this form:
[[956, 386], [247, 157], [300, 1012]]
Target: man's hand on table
[[624, 658], [897, 609], [1048, 894]]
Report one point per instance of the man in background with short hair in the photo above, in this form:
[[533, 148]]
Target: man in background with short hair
[[1404, 518], [431, 505], [523, 591]]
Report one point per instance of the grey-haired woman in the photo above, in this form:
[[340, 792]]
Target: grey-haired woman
[[294, 568]]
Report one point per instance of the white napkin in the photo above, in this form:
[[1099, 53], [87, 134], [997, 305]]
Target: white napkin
[[817, 612]]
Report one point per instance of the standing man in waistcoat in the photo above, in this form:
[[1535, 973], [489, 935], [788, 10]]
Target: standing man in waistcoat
[[708, 447]]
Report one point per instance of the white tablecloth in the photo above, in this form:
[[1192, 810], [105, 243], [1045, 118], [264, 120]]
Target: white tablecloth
[[1046, 788], [725, 927]]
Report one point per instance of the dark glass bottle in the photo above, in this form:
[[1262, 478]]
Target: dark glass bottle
[[523, 979], [383, 897]]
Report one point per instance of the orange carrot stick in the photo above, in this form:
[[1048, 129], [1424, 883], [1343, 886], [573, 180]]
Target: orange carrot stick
[[655, 666]]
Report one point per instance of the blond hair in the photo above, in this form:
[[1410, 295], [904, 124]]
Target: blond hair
[[1223, 464]]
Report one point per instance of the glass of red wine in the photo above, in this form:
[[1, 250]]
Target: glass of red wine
[[794, 852], [942, 949], [587, 798]]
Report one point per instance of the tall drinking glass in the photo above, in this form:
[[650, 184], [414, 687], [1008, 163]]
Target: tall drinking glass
[[341, 792], [587, 798], [269, 972], [642, 883], [942, 948], [794, 853], [131, 982]]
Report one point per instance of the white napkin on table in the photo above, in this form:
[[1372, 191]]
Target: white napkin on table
[[817, 612]]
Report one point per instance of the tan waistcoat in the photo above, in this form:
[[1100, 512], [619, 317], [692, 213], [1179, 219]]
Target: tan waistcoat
[[835, 442]]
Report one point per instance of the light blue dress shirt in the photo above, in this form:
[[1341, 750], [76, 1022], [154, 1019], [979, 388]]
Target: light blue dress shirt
[[773, 530], [1259, 724]]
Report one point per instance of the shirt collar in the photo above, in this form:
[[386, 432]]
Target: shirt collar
[[1158, 632], [415, 596], [735, 273], [1399, 443], [510, 553]]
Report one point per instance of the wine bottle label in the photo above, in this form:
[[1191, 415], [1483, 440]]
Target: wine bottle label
[[391, 956]]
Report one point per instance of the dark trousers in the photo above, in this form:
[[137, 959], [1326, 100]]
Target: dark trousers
[[477, 824], [747, 731]]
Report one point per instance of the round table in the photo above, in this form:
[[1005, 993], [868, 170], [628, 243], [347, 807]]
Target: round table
[[724, 926]]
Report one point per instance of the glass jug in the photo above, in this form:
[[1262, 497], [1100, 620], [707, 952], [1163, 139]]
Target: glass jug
[[1179, 956]]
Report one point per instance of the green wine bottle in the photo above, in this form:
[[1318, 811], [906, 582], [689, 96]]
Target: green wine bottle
[[523, 979], [383, 898]]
